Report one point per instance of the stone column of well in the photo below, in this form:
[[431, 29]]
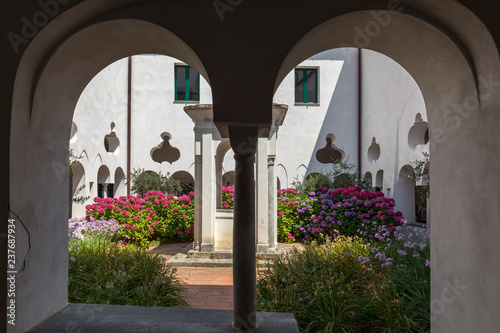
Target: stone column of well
[[104, 190], [202, 116], [198, 181], [218, 181], [272, 194], [279, 114], [262, 201], [244, 144]]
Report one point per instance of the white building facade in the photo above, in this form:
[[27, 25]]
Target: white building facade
[[360, 103]]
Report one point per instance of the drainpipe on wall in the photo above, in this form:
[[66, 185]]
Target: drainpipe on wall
[[360, 102], [129, 122]]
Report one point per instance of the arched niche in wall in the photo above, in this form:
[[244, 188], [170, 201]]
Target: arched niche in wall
[[379, 180], [330, 153], [406, 195], [111, 141], [282, 174], [419, 133], [103, 175], [119, 187], [186, 180], [373, 151], [368, 179], [103, 179], [301, 172], [278, 183], [318, 175], [78, 177], [164, 152], [344, 180], [78, 190]]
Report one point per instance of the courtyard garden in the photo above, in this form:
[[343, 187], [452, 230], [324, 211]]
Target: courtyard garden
[[362, 268]]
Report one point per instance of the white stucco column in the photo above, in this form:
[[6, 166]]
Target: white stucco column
[[272, 194], [262, 200], [267, 184], [104, 190], [202, 116]]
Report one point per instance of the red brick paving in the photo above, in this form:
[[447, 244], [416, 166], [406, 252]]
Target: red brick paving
[[207, 287]]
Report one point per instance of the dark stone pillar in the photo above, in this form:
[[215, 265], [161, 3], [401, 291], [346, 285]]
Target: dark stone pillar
[[244, 142]]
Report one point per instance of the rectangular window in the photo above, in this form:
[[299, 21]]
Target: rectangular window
[[187, 84], [306, 85]]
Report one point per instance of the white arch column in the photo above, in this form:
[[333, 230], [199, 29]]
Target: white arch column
[[266, 186], [204, 185]]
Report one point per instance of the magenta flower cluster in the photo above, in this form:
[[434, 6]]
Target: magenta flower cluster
[[228, 196], [351, 212], [289, 201], [148, 218]]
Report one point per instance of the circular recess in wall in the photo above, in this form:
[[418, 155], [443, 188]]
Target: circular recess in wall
[[111, 143], [74, 133], [419, 133], [374, 151]]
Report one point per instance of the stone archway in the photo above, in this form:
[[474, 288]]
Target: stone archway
[[455, 64], [460, 88], [53, 98]]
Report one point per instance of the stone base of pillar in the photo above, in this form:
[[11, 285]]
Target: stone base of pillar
[[207, 247], [265, 248], [262, 252]]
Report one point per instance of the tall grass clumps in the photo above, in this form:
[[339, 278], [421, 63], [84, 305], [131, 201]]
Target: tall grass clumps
[[102, 272], [329, 290]]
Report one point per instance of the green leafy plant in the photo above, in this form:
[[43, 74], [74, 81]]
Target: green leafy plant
[[343, 174], [145, 181], [329, 290], [422, 176], [103, 273]]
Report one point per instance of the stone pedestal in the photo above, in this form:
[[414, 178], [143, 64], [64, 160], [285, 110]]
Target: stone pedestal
[[223, 229]]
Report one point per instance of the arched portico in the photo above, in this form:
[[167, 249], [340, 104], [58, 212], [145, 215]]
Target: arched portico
[[455, 62], [461, 88], [38, 124]]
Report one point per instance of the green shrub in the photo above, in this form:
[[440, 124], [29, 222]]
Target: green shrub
[[145, 181], [343, 174], [329, 290], [103, 273]]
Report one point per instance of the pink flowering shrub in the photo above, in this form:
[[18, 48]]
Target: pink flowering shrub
[[228, 196], [145, 219], [289, 201], [351, 211]]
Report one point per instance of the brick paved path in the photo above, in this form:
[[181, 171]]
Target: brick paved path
[[208, 288]]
